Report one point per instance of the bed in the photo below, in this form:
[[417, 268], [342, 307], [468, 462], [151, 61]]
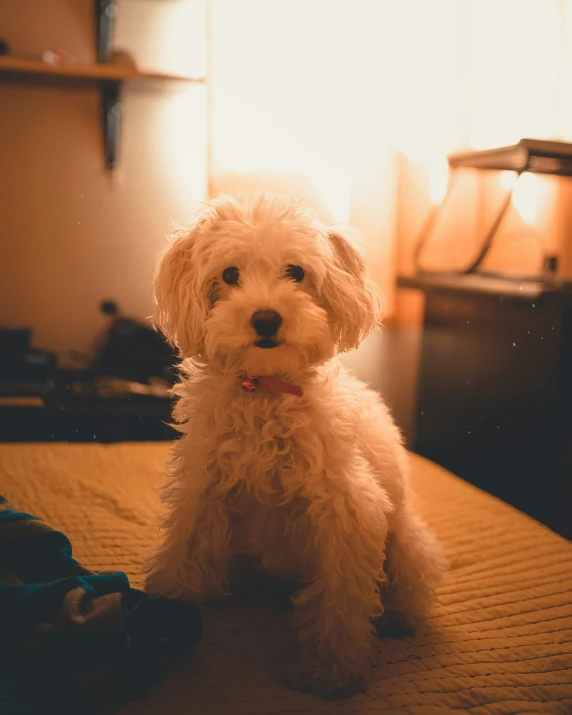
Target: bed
[[500, 639]]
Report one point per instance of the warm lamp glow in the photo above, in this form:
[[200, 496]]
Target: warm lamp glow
[[508, 179], [333, 187], [179, 131], [315, 115], [168, 37], [438, 181], [526, 197], [527, 193]]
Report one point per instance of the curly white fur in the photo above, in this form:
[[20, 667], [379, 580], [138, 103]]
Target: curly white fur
[[312, 489]]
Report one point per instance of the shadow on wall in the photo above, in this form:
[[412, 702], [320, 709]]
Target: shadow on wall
[[388, 361]]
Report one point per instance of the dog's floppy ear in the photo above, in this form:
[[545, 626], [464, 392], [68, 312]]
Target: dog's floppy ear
[[182, 301], [352, 298]]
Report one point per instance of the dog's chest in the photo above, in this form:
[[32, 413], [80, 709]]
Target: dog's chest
[[262, 446], [261, 465], [275, 535]]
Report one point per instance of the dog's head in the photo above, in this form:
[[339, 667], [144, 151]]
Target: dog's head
[[257, 286]]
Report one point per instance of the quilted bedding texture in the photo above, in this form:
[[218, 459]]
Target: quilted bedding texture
[[499, 642]]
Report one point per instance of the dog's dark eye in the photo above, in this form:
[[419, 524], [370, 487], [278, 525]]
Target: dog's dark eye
[[230, 275], [296, 273]]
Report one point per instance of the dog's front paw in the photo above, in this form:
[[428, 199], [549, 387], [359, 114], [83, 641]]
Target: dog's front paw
[[321, 678]]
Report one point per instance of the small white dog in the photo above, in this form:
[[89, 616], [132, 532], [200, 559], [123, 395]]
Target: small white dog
[[285, 458]]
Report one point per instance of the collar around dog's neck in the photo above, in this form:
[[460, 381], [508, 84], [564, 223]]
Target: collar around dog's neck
[[269, 382]]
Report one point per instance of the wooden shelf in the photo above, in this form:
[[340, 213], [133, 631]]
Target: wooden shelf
[[108, 76], [102, 71], [107, 73]]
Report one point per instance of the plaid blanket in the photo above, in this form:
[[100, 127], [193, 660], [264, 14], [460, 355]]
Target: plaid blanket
[[72, 640]]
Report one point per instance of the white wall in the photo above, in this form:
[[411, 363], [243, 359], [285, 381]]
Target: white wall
[[334, 91], [298, 90]]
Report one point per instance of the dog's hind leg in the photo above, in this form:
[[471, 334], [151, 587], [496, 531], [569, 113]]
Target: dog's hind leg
[[414, 567], [333, 615]]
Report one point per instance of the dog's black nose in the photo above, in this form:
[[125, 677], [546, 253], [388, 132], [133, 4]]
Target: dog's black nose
[[266, 322]]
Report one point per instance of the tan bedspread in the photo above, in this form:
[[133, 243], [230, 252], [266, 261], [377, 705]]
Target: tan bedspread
[[500, 640]]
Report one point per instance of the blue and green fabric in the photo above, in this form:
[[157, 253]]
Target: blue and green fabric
[[72, 640]]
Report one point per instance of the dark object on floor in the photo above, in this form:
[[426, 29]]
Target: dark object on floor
[[132, 350], [74, 640], [495, 388], [123, 395], [20, 361]]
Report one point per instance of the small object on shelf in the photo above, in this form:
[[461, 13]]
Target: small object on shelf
[[124, 59], [57, 57], [4, 47]]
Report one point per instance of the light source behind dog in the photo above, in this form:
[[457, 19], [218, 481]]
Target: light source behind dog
[[311, 488]]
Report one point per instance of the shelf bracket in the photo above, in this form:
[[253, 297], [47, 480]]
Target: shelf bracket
[[110, 120], [105, 13]]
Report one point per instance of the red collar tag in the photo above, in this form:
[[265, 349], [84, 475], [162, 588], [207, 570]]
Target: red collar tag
[[250, 384]]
